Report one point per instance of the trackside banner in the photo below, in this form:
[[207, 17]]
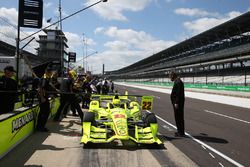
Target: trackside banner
[[54, 105], [16, 128]]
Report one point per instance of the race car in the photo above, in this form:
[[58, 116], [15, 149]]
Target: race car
[[120, 117]]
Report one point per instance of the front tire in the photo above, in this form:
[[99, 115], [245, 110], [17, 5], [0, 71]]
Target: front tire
[[148, 118], [89, 117]]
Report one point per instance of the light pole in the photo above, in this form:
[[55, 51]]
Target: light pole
[[83, 39], [86, 51], [84, 57], [60, 13], [61, 43]]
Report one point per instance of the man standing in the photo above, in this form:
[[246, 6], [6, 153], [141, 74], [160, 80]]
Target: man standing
[[8, 90], [178, 100], [67, 98], [66, 89], [44, 87]]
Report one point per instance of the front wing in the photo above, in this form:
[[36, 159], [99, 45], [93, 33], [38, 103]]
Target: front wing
[[142, 135]]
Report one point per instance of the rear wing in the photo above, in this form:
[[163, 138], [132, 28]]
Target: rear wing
[[108, 97], [146, 101]]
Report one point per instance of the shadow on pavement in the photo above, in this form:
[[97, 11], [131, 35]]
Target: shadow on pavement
[[206, 138], [67, 128]]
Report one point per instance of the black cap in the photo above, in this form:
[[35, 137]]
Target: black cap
[[49, 69], [9, 68]]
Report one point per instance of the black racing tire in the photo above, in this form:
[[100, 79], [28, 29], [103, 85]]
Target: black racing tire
[[148, 118], [89, 117], [88, 145]]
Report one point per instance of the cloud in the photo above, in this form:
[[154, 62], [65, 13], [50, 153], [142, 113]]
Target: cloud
[[6, 34], [9, 15], [125, 47], [194, 12], [98, 30], [47, 5], [136, 39], [117, 45], [113, 9], [75, 41], [233, 14], [202, 24]]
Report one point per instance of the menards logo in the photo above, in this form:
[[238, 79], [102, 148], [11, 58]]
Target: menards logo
[[21, 121]]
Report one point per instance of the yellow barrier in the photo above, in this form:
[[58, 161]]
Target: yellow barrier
[[17, 126]]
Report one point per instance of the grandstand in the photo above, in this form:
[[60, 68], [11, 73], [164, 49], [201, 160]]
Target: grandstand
[[220, 55]]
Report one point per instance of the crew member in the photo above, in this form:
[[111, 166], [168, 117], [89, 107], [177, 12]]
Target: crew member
[[105, 86], [44, 87], [68, 98], [8, 90]]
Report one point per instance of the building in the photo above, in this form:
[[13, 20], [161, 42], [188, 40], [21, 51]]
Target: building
[[26, 62], [52, 48]]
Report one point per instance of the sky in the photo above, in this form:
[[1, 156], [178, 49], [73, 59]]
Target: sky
[[119, 33]]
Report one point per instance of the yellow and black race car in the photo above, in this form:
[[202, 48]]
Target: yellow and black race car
[[120, 117]]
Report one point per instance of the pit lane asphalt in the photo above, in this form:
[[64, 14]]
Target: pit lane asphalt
[[61, 147]]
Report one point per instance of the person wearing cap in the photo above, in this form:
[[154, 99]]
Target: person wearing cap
[[8, 90], [178, 99]]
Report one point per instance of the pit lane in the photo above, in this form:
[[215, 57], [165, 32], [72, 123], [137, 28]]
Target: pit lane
[[61, 146]]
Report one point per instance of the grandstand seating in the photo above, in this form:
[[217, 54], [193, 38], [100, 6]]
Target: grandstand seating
[[220, 55]]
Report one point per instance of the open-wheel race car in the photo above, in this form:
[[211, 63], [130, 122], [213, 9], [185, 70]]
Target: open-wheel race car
[[120, 117]]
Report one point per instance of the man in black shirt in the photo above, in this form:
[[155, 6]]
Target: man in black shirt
[[66, 89], [8, 90], [178, 100], [44, 87], [68, 98]]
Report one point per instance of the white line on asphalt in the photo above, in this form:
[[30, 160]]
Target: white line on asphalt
[[167, 127], [221, 164], [204, 144], [157, 97], [212, 155], [227, 116]]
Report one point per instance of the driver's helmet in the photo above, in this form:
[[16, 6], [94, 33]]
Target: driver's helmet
[[116, 102]]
